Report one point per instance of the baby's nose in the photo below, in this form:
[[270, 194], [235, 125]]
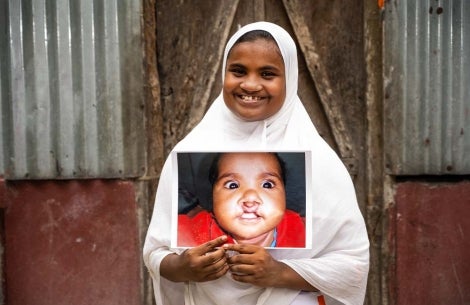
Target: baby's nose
[[250, 199]]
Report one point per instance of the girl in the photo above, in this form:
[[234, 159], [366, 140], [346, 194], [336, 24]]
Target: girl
[[259, 109]]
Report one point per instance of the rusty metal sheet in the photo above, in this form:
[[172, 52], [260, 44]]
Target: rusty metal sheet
[[427, 96], [71, 89], [72, 242], [432, 250]]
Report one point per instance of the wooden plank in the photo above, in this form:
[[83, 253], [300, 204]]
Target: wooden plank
[[190, 44], [377, 224], [224, 19], [328, 96], [259, 10], [152, 93]]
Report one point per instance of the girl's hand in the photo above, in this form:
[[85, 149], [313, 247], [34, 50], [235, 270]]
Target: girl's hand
[[203, 263], [256, 266]]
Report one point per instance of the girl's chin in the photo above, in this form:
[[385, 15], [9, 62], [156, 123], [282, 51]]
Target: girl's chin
[[249, 116]]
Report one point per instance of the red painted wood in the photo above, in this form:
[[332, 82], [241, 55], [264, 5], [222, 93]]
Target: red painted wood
[[72, 242], [433, 243], [3, 194]]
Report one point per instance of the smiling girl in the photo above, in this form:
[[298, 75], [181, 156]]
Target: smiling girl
[[258, 110], [254, 83]]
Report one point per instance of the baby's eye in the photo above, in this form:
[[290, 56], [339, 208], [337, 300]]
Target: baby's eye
[[231, 185], [268, 184]]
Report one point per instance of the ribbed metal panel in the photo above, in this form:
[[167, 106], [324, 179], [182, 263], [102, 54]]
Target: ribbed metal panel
[[427, 87], [71, 89]]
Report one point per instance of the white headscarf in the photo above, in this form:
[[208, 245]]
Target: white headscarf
[[337, 264]]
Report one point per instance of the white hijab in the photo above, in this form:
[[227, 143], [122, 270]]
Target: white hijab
[[337, 264]]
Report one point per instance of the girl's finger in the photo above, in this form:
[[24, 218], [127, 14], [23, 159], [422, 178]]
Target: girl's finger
[[210, 245]]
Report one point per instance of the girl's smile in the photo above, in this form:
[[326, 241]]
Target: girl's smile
[[251, 101], [254, 83]]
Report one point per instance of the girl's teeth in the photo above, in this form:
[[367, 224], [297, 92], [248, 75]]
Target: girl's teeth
[[250, 98]]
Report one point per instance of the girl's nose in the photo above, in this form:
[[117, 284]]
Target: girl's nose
[[251, 85]]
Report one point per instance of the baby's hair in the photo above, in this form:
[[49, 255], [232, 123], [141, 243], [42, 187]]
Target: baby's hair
[[214, 169]]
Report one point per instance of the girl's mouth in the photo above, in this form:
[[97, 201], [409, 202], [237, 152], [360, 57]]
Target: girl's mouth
[[250, 99]]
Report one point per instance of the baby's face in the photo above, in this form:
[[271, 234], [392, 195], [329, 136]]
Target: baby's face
[[249, 196], [254, 85]]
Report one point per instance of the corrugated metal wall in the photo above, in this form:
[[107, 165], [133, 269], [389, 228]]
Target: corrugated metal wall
[[427, 87], [71, 89]]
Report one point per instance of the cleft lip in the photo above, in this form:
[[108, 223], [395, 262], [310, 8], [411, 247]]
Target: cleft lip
[[248, 215], [250, 218]]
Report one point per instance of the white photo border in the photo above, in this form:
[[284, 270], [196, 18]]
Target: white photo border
[[308, 193]]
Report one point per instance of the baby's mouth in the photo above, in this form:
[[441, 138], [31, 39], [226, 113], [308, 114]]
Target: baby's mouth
[[249, 216]]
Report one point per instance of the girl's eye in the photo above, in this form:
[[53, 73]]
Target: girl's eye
[[267, 74], [237, 71], [231, 185], [268, 184]]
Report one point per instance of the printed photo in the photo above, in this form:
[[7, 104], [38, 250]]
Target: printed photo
[[252, 197]]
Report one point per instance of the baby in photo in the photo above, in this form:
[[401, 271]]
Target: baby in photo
[[249, 204]]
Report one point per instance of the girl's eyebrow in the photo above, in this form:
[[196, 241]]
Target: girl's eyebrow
[[263, 68], [268, 67], [236, 65]]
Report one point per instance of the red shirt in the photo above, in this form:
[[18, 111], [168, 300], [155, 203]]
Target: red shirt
[[196, 230]]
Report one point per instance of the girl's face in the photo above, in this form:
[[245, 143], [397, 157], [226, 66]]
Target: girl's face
[[249, 196], [254, 85]]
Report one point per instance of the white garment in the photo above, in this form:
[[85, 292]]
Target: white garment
[[337, 265]]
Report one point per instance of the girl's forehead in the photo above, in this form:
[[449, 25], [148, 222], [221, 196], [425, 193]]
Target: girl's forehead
[[261, 45]]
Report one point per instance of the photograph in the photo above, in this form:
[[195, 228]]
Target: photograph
[[254, 198]]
